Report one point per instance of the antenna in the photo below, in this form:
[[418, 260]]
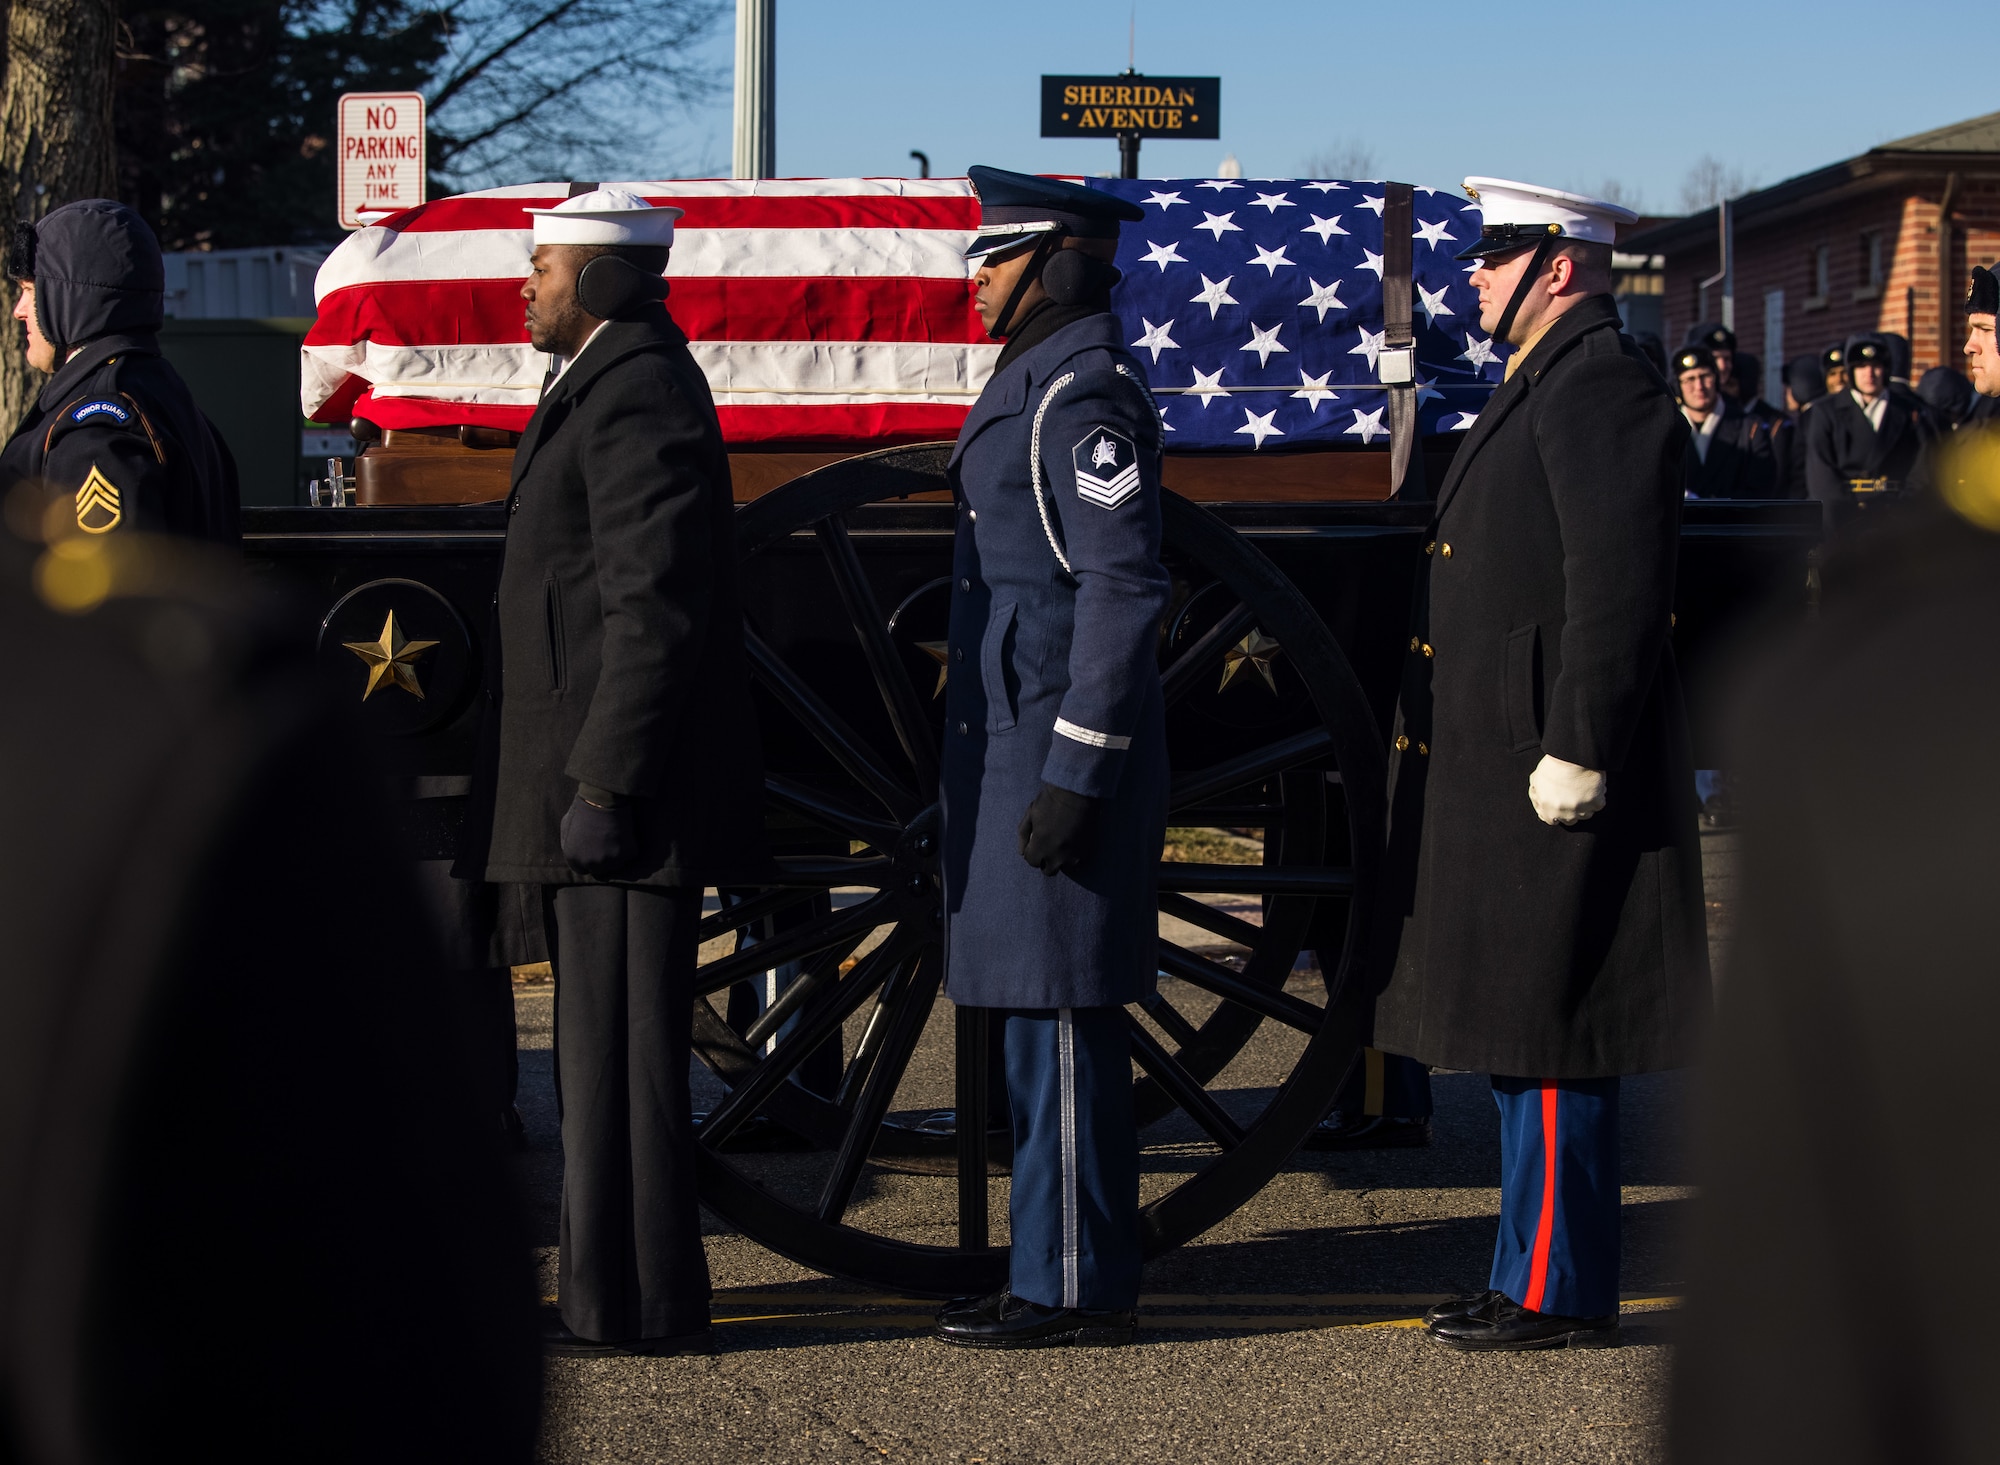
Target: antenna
[[1132, 39]]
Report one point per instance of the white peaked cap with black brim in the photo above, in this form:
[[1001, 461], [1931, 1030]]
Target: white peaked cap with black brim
[[1517, 215], [606, 216]]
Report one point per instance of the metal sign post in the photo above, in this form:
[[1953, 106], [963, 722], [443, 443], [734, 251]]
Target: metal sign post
[[381, 155], [1129, 107]]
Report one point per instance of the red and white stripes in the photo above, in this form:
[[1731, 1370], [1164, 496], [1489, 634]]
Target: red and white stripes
[[829, 310]]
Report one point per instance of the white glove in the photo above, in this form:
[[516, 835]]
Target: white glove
[[1563, 793]]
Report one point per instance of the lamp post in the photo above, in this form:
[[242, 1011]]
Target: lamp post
[[755, 154]]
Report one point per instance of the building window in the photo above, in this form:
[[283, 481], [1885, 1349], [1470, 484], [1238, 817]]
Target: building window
[[1874, 266], [1819, 269]]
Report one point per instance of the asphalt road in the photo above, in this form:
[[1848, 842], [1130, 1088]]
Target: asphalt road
[[1281, 1335]]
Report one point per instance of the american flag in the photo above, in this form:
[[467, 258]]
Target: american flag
[[840, 310], [1255, 306]]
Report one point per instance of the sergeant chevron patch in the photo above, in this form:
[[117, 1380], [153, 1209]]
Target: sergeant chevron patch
[[1107, 468], [99, 508]]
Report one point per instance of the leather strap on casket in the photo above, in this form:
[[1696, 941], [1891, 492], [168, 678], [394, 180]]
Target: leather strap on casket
[[1406, 463]]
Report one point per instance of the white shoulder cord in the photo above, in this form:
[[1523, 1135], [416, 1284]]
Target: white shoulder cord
[[1035, 467], [1035, 448]]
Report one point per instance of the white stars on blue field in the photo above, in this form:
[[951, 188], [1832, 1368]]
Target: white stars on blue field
[[1255, 308]]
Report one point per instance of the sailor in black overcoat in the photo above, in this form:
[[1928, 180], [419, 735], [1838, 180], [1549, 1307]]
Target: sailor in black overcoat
[[1545, 873], [1729, 454], [621, 769], [1055, 763], [1867, 443]]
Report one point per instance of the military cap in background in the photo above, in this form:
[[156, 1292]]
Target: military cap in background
[[1748, 369], [1693, 358], [1899, 355], [1712, 334], [1868, 348], [1805, 379], [1015, 208], [1949, 394]]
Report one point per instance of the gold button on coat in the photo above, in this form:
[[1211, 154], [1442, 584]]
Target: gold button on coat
[[1429, 652], [1402, 743], [1445, 550], [1431, 548], [1423, 751], [1414, 643]]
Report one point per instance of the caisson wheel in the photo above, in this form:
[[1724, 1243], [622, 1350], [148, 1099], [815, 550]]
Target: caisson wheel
[[832, 1037]]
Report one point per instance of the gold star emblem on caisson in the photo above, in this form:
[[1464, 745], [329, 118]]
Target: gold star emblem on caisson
[[1256, 651], [940, 652], [99, 506], [391, 659]]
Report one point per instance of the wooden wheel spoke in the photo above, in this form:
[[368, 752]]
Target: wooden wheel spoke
[[1169, 1018], [892, 679], [1256, 879], [1208, 918], [1212, 976], [973, 1030], [835, 814], [1179, 679], [817, 973], [1184, 1088], [906, 1019], [816, 935], [817, 1025], [847, 746], [1254, 767]]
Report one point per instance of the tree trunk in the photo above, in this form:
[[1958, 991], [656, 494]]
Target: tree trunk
[[55, 137]]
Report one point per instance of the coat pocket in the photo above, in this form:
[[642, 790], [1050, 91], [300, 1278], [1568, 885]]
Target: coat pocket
[[553, 647], [996, 670], [1522, 694]]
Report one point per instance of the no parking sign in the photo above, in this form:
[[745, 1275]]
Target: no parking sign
[[381, 154]]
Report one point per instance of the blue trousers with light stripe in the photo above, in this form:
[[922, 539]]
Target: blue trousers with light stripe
[[1074, 1210], [1558, 1246]]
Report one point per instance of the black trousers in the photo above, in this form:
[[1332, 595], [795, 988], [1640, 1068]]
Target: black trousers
[[632, 1265]]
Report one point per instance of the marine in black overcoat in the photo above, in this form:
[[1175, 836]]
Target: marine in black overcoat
[[621, 662], [1522, 947], [1842, 448], [1741, 462]]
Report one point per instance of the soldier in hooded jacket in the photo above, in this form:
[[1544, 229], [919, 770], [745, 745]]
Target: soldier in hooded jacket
[[115, 429]]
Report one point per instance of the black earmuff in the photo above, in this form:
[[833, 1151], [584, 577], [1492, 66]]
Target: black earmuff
[[611, 288], [1072, 277]]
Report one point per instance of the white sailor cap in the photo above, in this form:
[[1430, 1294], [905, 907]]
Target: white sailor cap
[[606, 216], [1516, 215]]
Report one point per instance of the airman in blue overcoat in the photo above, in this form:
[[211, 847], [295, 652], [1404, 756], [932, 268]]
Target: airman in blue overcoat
[[1055, 765]]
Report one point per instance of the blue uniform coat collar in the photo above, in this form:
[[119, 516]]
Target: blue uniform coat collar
[[1007, 392]]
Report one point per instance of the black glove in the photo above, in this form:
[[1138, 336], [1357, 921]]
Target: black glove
[[1059, 829], [599, 841]]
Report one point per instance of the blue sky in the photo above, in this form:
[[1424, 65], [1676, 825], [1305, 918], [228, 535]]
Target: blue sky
[[1554, 91]]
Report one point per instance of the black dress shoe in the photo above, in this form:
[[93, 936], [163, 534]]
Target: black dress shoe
[[1460, 1306], [559, 1342], [1006, 1321], [1502, 1325], [1340, 1131]]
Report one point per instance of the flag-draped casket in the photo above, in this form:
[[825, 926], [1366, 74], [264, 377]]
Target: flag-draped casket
[[839, 311]]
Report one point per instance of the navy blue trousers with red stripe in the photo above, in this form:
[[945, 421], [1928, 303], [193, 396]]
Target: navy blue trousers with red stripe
[[1558, 1246]]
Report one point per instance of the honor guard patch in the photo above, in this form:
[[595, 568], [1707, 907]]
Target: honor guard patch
[[84, 411], [1107, 468], [99, 509]]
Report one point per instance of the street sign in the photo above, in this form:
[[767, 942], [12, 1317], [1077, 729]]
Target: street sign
[[381, 154], [1132, 105]]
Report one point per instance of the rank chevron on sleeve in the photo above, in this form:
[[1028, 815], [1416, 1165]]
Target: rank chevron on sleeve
[[1104, 449], [99, 507]]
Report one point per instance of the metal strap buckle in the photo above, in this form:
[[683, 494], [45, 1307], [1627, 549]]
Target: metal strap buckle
[[1396, 366]]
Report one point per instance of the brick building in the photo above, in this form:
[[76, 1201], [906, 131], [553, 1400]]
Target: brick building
[[1858, 246]]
